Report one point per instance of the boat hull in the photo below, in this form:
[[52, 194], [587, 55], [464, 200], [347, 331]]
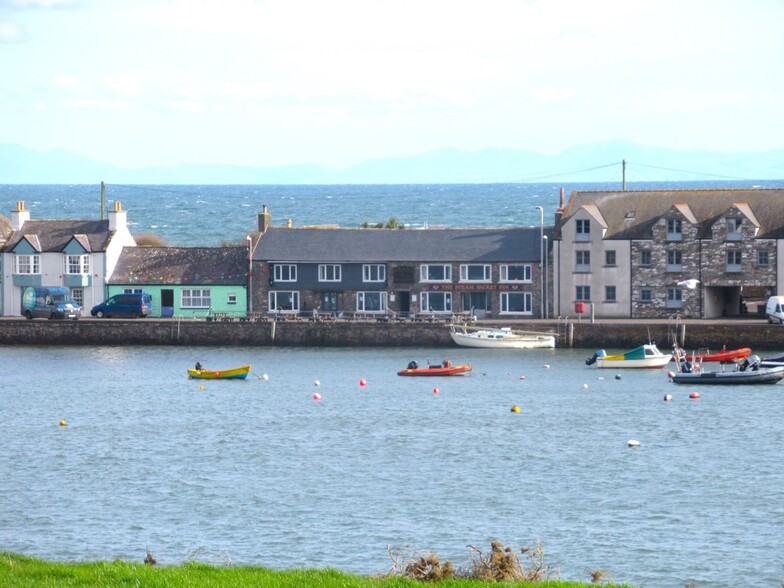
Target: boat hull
[[238, 373], [763, 376], [720, 356], [455, 370], [495, 340], [653, 363]]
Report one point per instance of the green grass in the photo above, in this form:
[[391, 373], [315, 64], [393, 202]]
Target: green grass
[[21, 571]]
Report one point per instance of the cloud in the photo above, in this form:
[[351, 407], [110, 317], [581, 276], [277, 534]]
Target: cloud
[[10, 32], [39, 4]]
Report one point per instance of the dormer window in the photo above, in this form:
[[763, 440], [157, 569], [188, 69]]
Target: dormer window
[[27, 264], [77, 265], [733, 229], [674, 229], [582, 229]]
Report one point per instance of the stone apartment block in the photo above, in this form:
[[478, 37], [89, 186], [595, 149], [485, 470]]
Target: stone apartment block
[[661, 253]]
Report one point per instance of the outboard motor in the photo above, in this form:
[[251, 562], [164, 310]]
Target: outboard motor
[[412, 365], [592, 360], [751, 363]]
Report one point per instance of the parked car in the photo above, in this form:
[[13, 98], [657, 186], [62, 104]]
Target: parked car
[[49, 302], [137, 305]]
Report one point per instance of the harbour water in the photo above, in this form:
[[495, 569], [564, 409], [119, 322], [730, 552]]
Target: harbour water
[[260, 472]]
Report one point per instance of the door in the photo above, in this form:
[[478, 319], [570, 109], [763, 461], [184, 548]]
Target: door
[[167, 302], [405, 301]]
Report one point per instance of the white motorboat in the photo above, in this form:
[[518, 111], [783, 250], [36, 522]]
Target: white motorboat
[[501, 338]]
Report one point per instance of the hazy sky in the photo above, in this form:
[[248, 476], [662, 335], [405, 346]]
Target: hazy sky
[[336, 82]]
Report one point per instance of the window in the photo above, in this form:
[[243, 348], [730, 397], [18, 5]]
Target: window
[[475, 273], [282, 301], [762, 258], [27, 264], [582, 293], [645, 295], [285, 272], [231, 298], [436, 302], [674, 229], [132, 290], [583, 261], [733, 229], [645, 257], [330, 301], [329, 272], [516, 303], [674, 260], [77, 264], [371, 301], [582, 230], [515, 273], [734, 260], [476, 301], [78, 295], [374, 272], [674, 298], [436, 273], [196, 298], [609, 293], [609, 257]]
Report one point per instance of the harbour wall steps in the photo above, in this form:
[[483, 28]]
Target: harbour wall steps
[[188, 332]]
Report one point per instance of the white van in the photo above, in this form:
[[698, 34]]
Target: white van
[[774, 309]]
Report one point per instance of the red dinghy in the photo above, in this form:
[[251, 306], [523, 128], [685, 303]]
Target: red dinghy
[[723, 356], [444, 369]]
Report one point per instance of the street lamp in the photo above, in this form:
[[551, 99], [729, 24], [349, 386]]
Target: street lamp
[[541, 260], [546, 296], [250, 273]]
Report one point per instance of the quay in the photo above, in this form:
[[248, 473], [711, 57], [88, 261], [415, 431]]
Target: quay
[[571, 333]]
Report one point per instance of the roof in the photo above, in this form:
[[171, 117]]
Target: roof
[[702, 207], [54, 235], [399, 245], [212, 266]]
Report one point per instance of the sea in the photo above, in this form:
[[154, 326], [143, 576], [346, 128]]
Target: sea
[[326, 458], [212, 215]]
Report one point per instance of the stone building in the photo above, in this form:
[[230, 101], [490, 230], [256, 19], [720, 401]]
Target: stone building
[[662, 253], [406, 272]]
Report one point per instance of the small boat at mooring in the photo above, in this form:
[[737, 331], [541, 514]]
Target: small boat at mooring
[[746, 373], [501, 338], [644, 356], [723, 356], [237, 373], [443, 369]]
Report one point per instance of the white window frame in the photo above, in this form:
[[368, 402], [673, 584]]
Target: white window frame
[[484, 268], [424, 272], [293, 295], [132, 291], [374, 272], [504, 273], [610, 294], [582, 229], [733, 229], [527, 303], [77, 265], [362, 301], [329, 272], [582, 259], [31, 265], [78, 295], [425, 303], [674, 260], [195, 298], [289, 275], [231, 298], [674, 229]]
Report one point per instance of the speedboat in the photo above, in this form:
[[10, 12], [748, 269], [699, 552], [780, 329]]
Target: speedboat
[[747, 372], [644, 356], [501, 338], [443, 369], [237, 373]]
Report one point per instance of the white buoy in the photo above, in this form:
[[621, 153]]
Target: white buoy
[[264, 377], [633, 443], [546, 366], [317, 383]]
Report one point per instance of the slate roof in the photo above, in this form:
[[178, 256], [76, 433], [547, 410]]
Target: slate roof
[[209, 266], [280, 244], [766, 206], [54, 235]]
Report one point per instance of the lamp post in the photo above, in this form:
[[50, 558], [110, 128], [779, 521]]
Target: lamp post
[[250, 273], [541, 261], [546, 296]]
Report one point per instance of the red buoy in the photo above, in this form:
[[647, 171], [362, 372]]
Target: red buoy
[[694, 395]]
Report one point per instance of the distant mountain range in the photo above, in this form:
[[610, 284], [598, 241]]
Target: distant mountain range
[[598, 162]]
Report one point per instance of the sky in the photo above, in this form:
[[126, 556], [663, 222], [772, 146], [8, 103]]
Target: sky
[[268, 82]]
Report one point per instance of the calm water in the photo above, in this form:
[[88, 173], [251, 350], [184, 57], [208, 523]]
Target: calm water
[[189, 215], [262, 472]]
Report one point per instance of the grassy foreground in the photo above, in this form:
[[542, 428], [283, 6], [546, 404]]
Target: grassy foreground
[[22, 571]]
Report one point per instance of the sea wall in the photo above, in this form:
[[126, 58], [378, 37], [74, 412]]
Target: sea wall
[[188, 332]]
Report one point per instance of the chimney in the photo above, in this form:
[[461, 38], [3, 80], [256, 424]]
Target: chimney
[[265, 219], [20, 216], [560, 210], [118, 218]]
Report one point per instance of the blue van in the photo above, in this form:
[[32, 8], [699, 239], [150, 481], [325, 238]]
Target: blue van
[[135, 305], [49, 302]]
